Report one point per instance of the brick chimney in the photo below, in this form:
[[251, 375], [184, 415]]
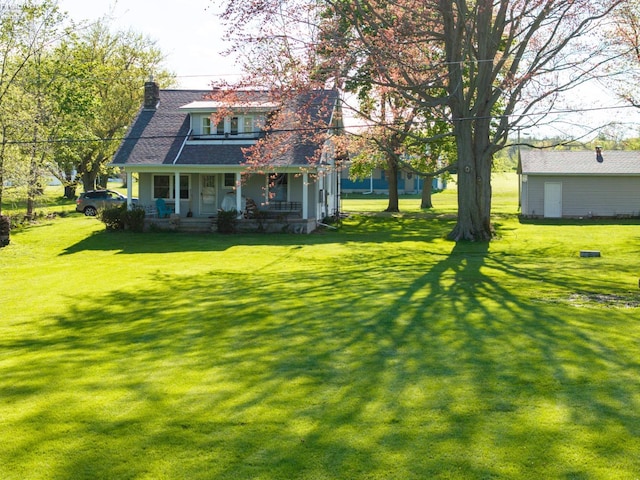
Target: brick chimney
[[151, 94]]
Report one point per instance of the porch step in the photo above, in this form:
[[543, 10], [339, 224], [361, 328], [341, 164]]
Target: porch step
[[191, 225], [196, 225], [208, 225]]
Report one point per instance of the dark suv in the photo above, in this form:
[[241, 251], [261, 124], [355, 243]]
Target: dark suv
[[90, 202]]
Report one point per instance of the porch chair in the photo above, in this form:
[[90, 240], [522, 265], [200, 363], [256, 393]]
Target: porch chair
[[163, 210]]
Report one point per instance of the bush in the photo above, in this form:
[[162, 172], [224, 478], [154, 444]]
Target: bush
[[134, 219], [227, 221], [113, 217], [5, 230], [120, 218]]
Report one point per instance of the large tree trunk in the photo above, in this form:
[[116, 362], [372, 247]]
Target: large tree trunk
[[474, 184], [102, 180], [426, 193], [70, 190], [393, 205], [89, 180], [32, 180], [2, 148], [32, 189], [70, 184]]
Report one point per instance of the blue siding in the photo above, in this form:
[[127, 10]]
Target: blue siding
[[378, 184], [381, 184]]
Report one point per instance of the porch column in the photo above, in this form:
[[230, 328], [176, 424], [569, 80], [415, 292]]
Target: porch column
[[238, 193], [305, 195], [176, 192], [129, 190]]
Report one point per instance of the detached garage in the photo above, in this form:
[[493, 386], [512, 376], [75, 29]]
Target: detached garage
[[556, 184]]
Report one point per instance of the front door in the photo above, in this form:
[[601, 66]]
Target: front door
[[552, 200], [207, 194]]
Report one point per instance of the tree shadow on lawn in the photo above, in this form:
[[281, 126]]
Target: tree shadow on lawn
[[376, 228], [153, 242], [436, 367]]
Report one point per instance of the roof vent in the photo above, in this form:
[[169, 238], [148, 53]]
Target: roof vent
[[599, 157]]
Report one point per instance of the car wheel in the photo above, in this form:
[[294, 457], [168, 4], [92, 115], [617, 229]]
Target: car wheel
[[90, 211]]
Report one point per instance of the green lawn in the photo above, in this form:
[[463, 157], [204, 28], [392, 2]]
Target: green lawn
[[377, 351]]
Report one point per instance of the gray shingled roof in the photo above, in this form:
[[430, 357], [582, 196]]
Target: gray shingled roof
[[156, 137], [546, 162]]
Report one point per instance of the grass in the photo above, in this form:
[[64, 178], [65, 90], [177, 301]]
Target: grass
[[49, 205], [378, 351]]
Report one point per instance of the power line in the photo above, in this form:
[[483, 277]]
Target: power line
[[217, 75], [310, 129]]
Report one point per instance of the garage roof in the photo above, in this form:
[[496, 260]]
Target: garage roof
[[553, 162]]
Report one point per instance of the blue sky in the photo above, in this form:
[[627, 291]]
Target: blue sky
[[188, 32]]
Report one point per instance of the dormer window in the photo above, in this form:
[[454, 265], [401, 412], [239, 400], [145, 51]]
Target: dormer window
[[245, 122], [206, 126], [241, 125], [250, 125]]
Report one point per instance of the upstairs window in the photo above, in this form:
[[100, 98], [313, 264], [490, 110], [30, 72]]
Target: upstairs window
[[220, 127], [209, 128], [206, 126], [243, 125], [250, 125]]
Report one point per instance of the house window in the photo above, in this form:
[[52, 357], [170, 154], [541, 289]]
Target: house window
[[249, 125], [278, 187], [256, 123], [163, 186], [230, 180], [220, 127], [184, 187], [206, 126]]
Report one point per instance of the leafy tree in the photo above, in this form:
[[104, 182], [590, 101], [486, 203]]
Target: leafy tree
[[435, 157], [66, 98], [626, 70], [27, 28], [40, 129], [106, 72], [486, 66], [385, 140], [37, 75]]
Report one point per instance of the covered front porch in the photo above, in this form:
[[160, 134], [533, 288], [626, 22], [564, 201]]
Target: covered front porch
[[285, 199]]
